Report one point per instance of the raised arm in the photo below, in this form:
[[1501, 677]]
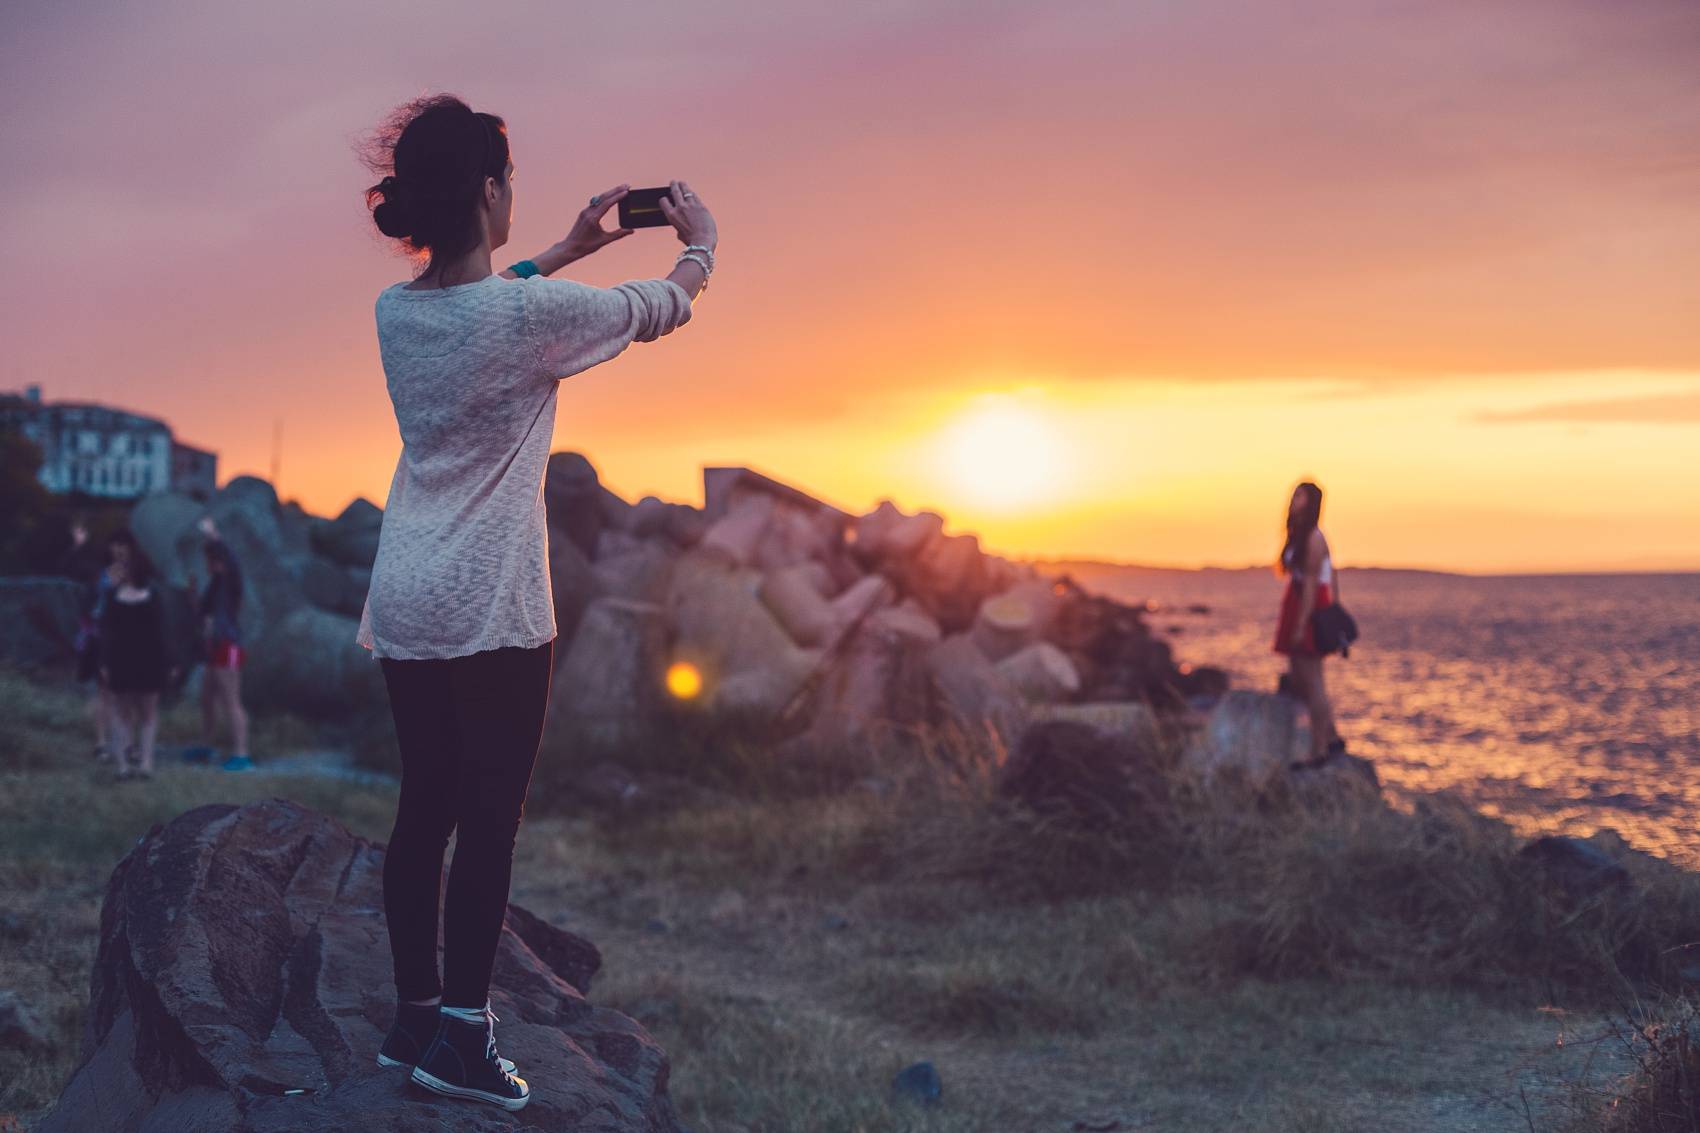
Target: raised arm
[[574, 326], [684, 210]]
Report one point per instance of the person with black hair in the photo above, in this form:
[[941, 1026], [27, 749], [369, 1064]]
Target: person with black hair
[[459, 610], [1312, 586], [134, 659], [86, 565], [219, 606]]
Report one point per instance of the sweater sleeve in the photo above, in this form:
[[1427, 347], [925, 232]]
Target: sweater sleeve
[[574, 326]]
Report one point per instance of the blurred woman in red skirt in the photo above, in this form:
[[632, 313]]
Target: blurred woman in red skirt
[[1311, 586]]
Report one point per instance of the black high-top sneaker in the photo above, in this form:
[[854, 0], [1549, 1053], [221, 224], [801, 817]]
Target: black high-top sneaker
[[461, 1062], [415, 1026]]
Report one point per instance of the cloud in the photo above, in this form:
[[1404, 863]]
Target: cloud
[[1647, 409]]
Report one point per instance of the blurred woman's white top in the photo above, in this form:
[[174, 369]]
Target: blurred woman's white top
[[1323, 576], [463, 556]]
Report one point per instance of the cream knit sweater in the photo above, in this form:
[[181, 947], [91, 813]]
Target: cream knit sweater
[[463, 558]]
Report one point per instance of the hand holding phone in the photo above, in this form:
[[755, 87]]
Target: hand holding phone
[[689, 216], [587, 234]]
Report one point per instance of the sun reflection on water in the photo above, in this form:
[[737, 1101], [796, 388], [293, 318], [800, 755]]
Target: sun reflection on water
[[1560, 704]]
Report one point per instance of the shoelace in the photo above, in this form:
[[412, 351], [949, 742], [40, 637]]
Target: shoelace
[[490, 1055]]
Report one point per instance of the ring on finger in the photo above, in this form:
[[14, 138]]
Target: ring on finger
[[596, 200]]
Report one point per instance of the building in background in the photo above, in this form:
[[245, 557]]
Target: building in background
[[101, 451]]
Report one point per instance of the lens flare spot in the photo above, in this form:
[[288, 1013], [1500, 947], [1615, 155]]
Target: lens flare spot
[[684, 680]]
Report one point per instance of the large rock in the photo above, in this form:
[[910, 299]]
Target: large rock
[[794, 597], [351, 539], [796, 535], [1042, 672], [878, 684], [887, 534], [243, 985], [640, 571], [608, 685], [252, 503], [573, 496], [948, 574], [164, 525], [572, 581], [339, 589], [38, 620], [970, 693], [751, 669], [1576, 867], [309, 663], [1010, 621], [1117, 655], [683, 525], [738, 534], [1130, 720], [1250, 737]]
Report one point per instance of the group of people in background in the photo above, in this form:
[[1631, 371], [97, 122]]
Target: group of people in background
[[130, 653]]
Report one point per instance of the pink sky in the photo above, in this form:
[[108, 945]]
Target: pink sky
[[1481, 215]]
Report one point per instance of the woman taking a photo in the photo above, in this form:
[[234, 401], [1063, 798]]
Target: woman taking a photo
[[1311, 587], [460, 611]]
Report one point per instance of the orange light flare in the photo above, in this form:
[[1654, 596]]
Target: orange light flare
[[684, 680]]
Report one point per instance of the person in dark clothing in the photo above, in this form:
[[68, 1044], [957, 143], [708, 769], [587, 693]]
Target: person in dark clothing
[[219, 606], [134, 661], [86, 564]]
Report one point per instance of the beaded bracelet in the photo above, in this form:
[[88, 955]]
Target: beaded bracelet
[[697, 260], [707, 251], [525, 269]]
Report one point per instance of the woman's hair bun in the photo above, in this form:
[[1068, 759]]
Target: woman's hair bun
[[390, 214]]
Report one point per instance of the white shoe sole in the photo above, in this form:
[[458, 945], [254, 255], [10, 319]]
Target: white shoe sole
[[437, 1085], [386, 1061]]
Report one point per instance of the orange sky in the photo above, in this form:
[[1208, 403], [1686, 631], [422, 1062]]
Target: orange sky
[[1091, 279]]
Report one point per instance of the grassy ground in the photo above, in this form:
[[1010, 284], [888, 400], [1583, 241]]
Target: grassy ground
[[1230, 969]]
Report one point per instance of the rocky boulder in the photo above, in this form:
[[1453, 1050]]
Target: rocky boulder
[[351, 539], [38, 620], [243, 985], [1250, 737], [309, 662], [969, 692], [608, 684], [164, 525], [573, 495]]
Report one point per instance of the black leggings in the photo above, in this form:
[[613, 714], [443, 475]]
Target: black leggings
[[468, 728]]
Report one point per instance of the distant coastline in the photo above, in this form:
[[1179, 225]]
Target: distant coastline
[[1086, 568]]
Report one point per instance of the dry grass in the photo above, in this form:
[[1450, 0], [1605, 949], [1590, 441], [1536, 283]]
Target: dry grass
[[795, 934]]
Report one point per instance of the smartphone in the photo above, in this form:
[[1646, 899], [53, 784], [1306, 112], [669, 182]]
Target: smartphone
[[641, 208]]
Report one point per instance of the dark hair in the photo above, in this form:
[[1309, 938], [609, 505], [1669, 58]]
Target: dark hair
[[122, 535], [140, 569], [1299, 528], [227, 582], [433, 154]]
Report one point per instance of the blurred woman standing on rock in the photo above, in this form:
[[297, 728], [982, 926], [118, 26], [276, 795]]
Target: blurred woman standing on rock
[[460, 611], [1311, 587]]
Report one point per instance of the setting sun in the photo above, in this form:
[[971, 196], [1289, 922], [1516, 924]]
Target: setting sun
[[1002, 454]]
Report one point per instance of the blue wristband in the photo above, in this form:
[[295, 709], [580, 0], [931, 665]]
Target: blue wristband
[[525, 269]]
